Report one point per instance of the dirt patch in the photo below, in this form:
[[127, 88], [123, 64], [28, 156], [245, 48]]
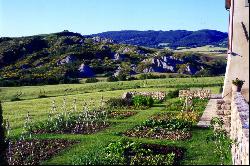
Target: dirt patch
[[32, 152]]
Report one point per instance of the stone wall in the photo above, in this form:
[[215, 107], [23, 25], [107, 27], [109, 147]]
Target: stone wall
[[202, 93], [240, 129], [155, 95]]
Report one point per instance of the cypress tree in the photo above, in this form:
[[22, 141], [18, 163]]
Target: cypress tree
[[3, 144]]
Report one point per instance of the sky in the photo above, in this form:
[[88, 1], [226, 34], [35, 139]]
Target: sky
[[32, 17]]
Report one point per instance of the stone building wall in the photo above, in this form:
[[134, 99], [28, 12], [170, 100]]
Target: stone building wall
[[240, 129], [238, 53]]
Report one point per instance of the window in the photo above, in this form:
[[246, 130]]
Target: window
[[247, 3]]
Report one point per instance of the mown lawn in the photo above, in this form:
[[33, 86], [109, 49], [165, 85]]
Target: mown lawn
[[32, 92], [39, 108]]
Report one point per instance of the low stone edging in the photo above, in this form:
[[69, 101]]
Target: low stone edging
[[155, 95], [201, 93]]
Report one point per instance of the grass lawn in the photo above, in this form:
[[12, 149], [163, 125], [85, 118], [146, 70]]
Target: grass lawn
[[198, 151], [39, 108], [32, 92]]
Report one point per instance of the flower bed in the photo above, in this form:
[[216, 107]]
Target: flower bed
[[87, 122], [158, 133], [121, 114], [32, 152], [163, 126]]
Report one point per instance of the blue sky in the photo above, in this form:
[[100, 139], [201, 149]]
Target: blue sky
[[31, 17]]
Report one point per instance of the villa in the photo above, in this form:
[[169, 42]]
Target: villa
[[237, 67]]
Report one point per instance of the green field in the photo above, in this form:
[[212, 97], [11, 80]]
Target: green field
[[209, 50], [199, 152]]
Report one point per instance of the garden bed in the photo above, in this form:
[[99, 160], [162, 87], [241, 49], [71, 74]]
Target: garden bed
[[126, 152], [121, 114], [162, 149], [158, 133], [87, 122], [83, 128], [171, 126], [32, 152]]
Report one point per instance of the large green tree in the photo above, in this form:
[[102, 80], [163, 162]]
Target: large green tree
[[3, 144]]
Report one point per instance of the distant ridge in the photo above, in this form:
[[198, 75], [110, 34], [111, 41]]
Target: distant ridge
[[172, 38]]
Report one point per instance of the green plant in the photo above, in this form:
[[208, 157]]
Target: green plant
[[118, 103], [171, 124], [124, 152], [27, 128], [238, 82], [91, 80], [159, 159], [172, 94], [220, 139], [140, 101], [115, 152], [17, 96], [122, 77], [42, 94], [191, 117], [68, 122], [151, 76], [3, 143], [112, 79]]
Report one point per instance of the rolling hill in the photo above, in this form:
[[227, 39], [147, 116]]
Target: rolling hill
[[65, 56], [172, 39]]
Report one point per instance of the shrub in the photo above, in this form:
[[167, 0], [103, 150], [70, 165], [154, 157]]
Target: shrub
[[42, 94], [122, 77], [140, 101], [3, 144], [91, 80], [151, 76], [112, 79], [16, 97], [132, 78], [173, 94], [118, 103]]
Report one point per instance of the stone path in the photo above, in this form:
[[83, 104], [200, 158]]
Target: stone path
[[209, 113]]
